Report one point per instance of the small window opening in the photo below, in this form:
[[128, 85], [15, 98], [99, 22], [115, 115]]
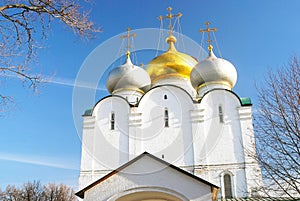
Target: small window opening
[[221, 115], [112, 121], [137, 99], [227, 186], [165, 97], [166, 117], [162, 156]]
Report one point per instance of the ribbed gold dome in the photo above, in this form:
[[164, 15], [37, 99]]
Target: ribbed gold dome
[[171, 63]]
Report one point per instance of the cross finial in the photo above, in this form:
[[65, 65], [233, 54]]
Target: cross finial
[[208, 30], [170, 16], [127, 36]]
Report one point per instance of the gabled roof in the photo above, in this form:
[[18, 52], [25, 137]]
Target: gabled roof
[[81, 192]]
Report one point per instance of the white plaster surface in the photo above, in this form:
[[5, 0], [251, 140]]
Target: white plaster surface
[[195, 140], [163, 180]]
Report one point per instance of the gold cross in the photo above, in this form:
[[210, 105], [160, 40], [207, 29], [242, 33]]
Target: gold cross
[[170, 16], [208, 30], [128, 35]]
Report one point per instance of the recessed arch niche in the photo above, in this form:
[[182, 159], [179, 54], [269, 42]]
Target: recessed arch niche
[[148, 196]]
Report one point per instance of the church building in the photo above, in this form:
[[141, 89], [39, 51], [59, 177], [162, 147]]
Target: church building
[[175, 130]]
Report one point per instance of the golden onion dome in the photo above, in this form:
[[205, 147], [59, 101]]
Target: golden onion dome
[[171, 63]]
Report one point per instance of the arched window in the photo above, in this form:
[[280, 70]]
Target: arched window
[[165, 97], [166, 117], [112, 121], [221, 115], [227, 186]]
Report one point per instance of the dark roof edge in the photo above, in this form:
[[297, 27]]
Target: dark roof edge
[[166, 85], [89, 112], [241, 100]]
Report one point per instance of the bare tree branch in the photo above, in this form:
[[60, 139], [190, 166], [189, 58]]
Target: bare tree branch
[[36, 191], [277, 131], [23, 26]]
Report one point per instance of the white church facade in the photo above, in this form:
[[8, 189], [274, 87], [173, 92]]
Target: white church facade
[[172, 131]]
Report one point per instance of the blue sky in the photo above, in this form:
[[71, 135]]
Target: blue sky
[[39, 140]]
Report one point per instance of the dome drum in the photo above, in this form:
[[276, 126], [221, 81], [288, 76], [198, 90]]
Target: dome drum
[[132, 95]]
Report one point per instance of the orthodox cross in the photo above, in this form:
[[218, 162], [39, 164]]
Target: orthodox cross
[[170, 16], [208, 30], [128, 36]]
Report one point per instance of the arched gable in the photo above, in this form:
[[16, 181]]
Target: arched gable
[[149, 193], [223, 134], [165, 119], [112, 98], [167, 87], [110, 133]]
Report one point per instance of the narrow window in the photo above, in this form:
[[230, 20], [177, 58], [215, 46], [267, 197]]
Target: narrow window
[[112, 121], [166, 117], [165, 97], [221, 115], [227, 186]]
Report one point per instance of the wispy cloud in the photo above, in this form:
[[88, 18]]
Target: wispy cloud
[[70, 82], [65, 82], [47, 161]]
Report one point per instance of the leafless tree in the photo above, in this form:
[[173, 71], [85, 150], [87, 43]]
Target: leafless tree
[[23, 26], [11, 193], [277, 131], [34, 191], [53, 192]]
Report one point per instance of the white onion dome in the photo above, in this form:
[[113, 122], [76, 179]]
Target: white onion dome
[[213, 71], [128, 77]]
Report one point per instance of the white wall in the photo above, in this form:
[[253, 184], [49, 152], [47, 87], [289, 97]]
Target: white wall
[[173, 143], [195, 139], [147, 174], [222, 147], [103, 149]]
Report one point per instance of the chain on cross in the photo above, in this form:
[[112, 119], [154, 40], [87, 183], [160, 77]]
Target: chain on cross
[[128, 36], [208, 30], [170, 16]]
